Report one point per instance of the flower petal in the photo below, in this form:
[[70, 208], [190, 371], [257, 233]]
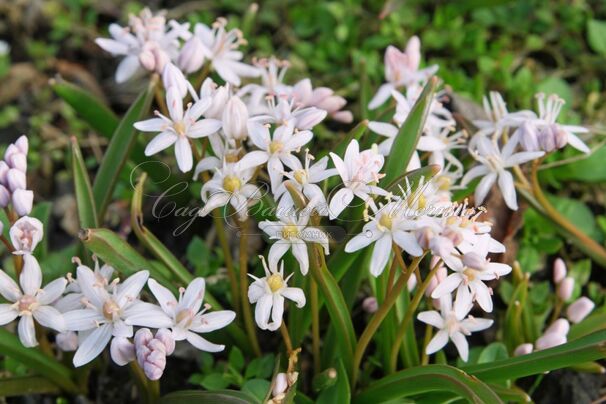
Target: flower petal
[[50, 317], [160, 142], [93, 345], [202, 344], [437, 342], [52, 291], [295, 294], [183, 154], [432, 318], [213, 321], [7, 313], [8, 287], [27, 331], [163, 296]]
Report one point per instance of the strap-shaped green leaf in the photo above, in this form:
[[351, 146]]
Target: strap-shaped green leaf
[[119, 150], [426, 379], [35, 360], [589, 348], [26, 385], [87, 211], [407, 138], [87, 106], [208, 397]]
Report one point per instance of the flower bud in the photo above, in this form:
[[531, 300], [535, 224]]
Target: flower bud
[[22, 144], [154, 365], [342, 116], [565, 288], [413, 53], [280, 384], [551, 137], [370, 304], [235, 117], [191, 57], [412, 283], [528, 137], [25, 235], [147, 60], [160, 59], [122, 351], [560, 326], [18, 161], [474, 261], [5, 197], [580, 309], [523, 349], [166, 337], [4, 173], [549, 341], [67, 341], [219, 97], [559, 270], [16, 179], [173, 77], [23, 201]]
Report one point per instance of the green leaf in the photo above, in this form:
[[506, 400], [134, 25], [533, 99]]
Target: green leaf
[[424, 379], [119, 150], [87, 212], [493, 352], [592, 323], [260, 368], [582, 350], [26, 385], [555, 85], [236, 359], [340, 391], [34, 359], [214, 381], [582, 170], [579, 214], [405, 142], [208, 397], [596, 36], [87, 106], [257, 388]]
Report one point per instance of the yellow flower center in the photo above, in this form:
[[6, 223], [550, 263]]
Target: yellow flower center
[[275, 147], [300, 176], [444, 183], [470, 274], [179, 128], [275, 282], [231, 183], [290, 231], [27, 303], [109, 309], [185, 316], [386, 221], [231, 157]]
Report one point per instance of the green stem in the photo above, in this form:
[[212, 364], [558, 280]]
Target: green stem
[[248, 320], [585, 242], [408, 317], [380, 315], [148, 394], [315, 325]]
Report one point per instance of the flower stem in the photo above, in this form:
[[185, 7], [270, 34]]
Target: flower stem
[[286, 337], [148, 394], [380, 315], [586, 243], [428, 335], [408, 317], [315, 325], [248, 320]]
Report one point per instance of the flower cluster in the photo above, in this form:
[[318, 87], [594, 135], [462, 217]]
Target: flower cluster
[[13, 179]]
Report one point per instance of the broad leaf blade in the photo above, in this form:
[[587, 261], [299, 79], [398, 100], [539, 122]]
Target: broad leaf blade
[[87, 211], [119, 150], [406, 140], [208, 397]]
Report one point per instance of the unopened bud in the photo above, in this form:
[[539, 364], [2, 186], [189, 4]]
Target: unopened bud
[[370, 304], [3, 173], [22, 144], [5, 197], [67, 341], [280, 384], [549, 341], [173, 77], [235, 118], [23, 201], [310, 118], [16, 179], [559, 270], [191, 57], [166, 337], [154, 365], [580, 309], [523, 349], [528, 137], [560, 326], [565, 288], [473, 260], [122, 351], [551, 137], [412, 283], [147, 60]]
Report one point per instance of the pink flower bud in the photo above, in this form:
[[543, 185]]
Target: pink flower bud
[[191, 57], [18, 161], [342, 116], [10, 150], [280, 384], [560, 326], [473, 260], [219, 99], [161, 59], [412, 283], [173, 77], [565, 288], [413, 53], [370, 304], [154, 365], [25, 235], [559, 270], [166, 337], [122, 351], [5, 196], [16, 179], [528, 137], [523, 349], [67, 341], [551, 137], [22, 144], [147, 60], [549, 341], [580, 309], [235, 117], [3, 173], [23, 201]]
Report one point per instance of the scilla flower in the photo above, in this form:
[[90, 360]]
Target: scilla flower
[[268, 293], [25, 235], [452, 326], [30, 302], [187, 320]]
